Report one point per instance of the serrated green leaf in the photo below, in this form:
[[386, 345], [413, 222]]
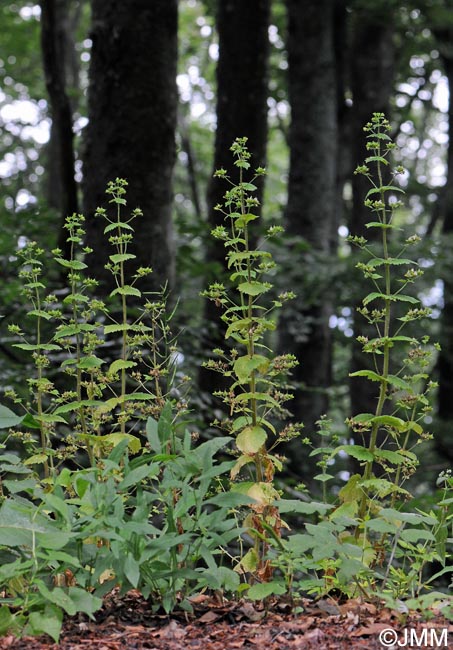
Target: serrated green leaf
[[251, 440], [380, 159], [115, 439], [238, 325], [31, 347], [356, 451], [48, 622], [40, 313], [120, 364], [239, 464], [262, 590], [86, 363], [132, 570], [259, 397], [74, 265], [403, 298], [244, 366], [119, 224], [391, 456], [121, 257], [74, 406], [383, 189], [71, 330], [127, 290], [9, 419], [369, 374], [384, 226], [36, 459], [389, 420], [117, 327], [254, 288]]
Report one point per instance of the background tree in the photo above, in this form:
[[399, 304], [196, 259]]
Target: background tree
[[241, 110], [372, 79], [54, 41], [132, 102], [310, 214]]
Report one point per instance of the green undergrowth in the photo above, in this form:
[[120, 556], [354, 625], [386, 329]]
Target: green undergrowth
[[104, 483]]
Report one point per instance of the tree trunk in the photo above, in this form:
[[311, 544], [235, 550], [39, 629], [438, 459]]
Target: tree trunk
[[312, 199], [445, 361], [132, 101], [242, 91], [373, 58], [54, 49]]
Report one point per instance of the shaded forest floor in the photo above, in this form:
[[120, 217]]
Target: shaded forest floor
[[324, 625]]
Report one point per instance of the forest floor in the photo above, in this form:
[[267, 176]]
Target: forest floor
[[128, 623]]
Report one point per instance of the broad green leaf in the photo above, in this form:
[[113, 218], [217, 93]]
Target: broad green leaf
[[254, 288], [135, 476], [74, 298], [243, 324], [229, 499], [31, 347], [414, 535], [264, 493], [127, 290], [402, 384], [74, 265], [391, 261], [369, 374], [132, 570], [403, 298], [415, 518], [241, 461], [383, 189], [251, 440], [378, 224], [391, 421], [40, 313], [234, 257], [71, 330], [391, 456], [262, 590], [249, 563], [74, 406], [380, 159], [121, 257], [7, 621], [36, 459], [50, 418], [117, 327], [414, 426], [48, 622], [244, 366], [296, 506], [86, 363], [117, 225], [114, 439], [120, 364], [382, 487], [259, 397], [356, 451], [9, 419]]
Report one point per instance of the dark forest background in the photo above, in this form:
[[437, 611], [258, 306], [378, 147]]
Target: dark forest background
[[156, 91]]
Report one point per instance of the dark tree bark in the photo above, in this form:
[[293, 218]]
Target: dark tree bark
[[310, 214], [445, 361], [373, 58], [132, 101], [242, 83], [54, 49]]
